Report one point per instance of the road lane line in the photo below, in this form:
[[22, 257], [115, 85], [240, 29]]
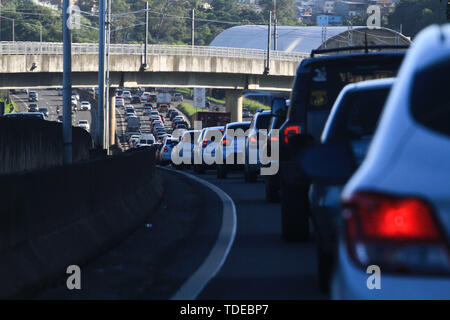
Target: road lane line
[[215, 260]]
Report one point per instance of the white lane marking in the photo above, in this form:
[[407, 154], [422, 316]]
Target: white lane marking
[[215, 260]]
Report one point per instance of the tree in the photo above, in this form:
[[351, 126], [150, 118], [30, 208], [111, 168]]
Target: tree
[[285, 10], [414, 15]]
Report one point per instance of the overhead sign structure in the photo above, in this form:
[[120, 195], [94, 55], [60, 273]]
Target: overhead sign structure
[[199, 98]]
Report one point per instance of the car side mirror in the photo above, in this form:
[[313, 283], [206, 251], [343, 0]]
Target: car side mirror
[[328, 163]]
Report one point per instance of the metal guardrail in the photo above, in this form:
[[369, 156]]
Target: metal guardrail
[[36, 48]]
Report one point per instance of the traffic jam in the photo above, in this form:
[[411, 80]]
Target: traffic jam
[[356, 159]]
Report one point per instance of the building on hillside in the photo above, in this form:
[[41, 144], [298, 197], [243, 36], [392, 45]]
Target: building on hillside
[[328, 7], [328, 20], [348, 8]]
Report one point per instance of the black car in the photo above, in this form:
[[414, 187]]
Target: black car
[[272, 182], [318, 81], [135, 99], [33, 107]]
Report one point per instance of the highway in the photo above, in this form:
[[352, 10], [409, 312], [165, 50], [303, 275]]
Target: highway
[[50, 99], [259, 265]]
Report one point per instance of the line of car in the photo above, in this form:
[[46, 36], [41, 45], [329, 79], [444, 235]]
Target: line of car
[[363, 157]]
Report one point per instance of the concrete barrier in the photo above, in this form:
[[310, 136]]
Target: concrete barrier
[[62, 216], [30, 144]]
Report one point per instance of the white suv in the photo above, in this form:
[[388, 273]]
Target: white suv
[[397, 205]]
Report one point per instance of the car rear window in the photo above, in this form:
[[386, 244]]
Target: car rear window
[[263, 120], [430, 97], [358, 115], [316, 90]]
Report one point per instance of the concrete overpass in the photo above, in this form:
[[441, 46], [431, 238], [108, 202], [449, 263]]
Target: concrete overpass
[[40, 65]]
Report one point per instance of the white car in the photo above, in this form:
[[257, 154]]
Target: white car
[[134, 139], [126, 95], [146, 140], [120, 102], [84, 124], [145, 96], [85, 106], [397, 204]]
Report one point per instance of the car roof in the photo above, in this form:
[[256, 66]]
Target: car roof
[[369, 84], [238, 124], [349, 57]]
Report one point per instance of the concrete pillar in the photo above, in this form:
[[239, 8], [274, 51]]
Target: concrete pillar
[[112, 117], [234, 104]]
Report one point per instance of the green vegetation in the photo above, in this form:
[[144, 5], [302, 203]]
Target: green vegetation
[[218, 101], [414, 15], [10, 105], [187, 109], [252, 105], [169, 21]]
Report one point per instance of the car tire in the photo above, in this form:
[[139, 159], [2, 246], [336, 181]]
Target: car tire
[[272, 192], [294, 215], [221, 171], [198, 168], [324, 266], [250, 175]]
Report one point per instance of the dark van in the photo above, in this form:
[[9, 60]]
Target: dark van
[[318, 82]]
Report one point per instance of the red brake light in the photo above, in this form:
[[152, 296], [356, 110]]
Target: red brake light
[[290, 130], [224, 142], [165, 149], [382, 217], [399, 234], [205, 142]]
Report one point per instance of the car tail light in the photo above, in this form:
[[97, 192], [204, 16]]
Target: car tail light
[[289, 130], [399, 234], [165, 149], [205, 143], [224, 142], [253, 139]]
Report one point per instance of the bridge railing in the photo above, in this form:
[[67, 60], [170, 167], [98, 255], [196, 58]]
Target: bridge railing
[[36, 48]]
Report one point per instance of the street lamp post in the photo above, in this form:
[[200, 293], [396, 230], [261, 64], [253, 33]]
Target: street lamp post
[[101, 76], [193, 28], [67, 86]]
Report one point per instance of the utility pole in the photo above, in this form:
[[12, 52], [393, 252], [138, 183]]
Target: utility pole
[[269, 38], [193, 28], [107, 94], [67, 85], [101, 76], [146, 35], [275, 31]]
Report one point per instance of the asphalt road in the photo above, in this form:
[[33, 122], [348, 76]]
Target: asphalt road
[[50, 98], [260, 265]]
